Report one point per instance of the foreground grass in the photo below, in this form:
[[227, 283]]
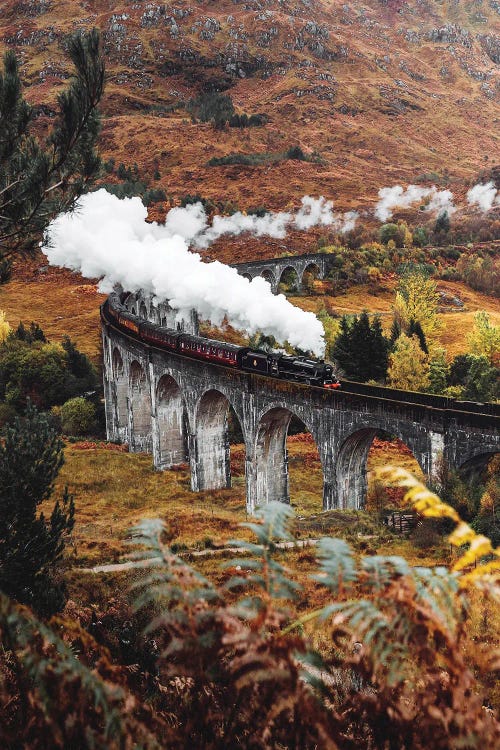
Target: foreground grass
[[61, 302], [114, 489]]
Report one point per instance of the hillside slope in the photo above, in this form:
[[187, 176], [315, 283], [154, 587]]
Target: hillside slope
[[383, 91]]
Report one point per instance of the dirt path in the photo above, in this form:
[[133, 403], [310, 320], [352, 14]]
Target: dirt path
[[221, 551]]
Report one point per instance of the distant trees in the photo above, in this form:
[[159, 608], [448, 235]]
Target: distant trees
[[78, 416], [417, 302], [484, 340], [474, 378], [40, 178], [212, 107], [482, 273], [442, 225], [47, 374], [218, 108], [398, 233], [31, 545], [408, 365], [420, 237], [361, 349]]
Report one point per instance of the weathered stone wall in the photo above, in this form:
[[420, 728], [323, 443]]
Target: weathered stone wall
[[177, 408], [147, 307]]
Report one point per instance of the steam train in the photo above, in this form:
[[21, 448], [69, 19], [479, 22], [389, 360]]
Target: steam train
[[299, 369]]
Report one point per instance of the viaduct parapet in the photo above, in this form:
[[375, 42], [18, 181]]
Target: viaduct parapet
[[177, 409]]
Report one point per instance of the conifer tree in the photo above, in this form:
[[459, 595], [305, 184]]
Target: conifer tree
[[438, 372], [415, 329], [31, 456], [39, 178], [361, 349], [395, 332]]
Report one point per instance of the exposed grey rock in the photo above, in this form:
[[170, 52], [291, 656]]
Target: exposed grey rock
[[414, 75], [33, 8], [450, 34], [487, 90], [491, 45]]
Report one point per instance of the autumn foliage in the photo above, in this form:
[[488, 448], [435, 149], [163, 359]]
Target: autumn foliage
[[238, 664]]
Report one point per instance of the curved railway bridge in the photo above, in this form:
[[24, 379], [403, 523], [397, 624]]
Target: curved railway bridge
[[177, 408], [293, 268]]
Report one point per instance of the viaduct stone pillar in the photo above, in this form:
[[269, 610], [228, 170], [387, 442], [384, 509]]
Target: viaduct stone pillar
[[209, 450]]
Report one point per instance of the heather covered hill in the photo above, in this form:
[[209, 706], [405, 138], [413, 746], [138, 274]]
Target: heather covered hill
[[379, 92]]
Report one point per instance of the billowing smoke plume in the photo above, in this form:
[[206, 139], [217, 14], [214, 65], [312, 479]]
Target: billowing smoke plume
[[192, 222], [398, 197], [110, 239], [484, 196]]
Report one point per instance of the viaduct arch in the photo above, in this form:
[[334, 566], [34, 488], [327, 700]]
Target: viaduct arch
[[177, 408], [272, 270]]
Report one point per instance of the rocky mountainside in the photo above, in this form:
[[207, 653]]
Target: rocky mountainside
[[379, 91]]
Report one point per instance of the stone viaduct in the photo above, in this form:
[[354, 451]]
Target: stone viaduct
[[275, 269], [177, 409]]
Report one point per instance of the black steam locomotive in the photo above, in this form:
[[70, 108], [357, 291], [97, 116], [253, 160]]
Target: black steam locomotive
[[300, 369]]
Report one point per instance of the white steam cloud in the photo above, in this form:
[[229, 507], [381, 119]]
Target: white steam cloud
[[398, 197], [484, 195], [110, 239], [192, 223]]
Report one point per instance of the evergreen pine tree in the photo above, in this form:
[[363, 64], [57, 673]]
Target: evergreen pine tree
[[442, 225], [415, 329], [361, 349], [341, 351], [31, 456], [438, 372], [378, 351], [39, 179], [20, 332], [395, 332]]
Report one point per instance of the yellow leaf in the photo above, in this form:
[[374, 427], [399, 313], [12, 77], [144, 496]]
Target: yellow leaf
[[480, 546], [462, 534]]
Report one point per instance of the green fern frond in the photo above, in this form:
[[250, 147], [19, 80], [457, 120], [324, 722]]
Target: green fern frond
[[438, 589], [337, 564], [178, 594], [263, 572], [381, 570]]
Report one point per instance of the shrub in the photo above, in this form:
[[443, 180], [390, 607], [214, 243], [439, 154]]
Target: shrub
[[295, 152], [7, 414], [5, 270], [78, 416], [31, 544], [425, 535], [45, 373], [212, 107], [420, 237], [233, 665]]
